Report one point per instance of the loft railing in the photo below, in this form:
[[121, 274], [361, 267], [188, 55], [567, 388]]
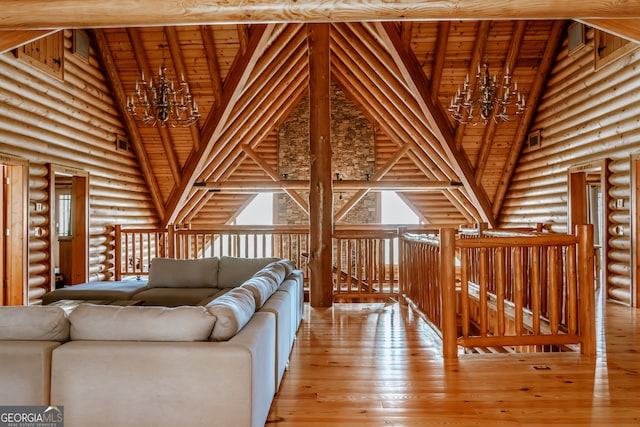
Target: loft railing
[[514, 290], [135, 248], [365, 258]]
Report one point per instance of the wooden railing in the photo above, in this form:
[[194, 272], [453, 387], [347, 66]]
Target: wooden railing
[[365, 258], [135, 248], [526, 289]]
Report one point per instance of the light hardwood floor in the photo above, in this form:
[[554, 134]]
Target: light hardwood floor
[[379, 365]]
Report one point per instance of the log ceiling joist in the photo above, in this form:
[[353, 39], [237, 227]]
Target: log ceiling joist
[[46, 14]]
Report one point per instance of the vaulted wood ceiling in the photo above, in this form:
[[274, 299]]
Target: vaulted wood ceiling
[[248, 78]]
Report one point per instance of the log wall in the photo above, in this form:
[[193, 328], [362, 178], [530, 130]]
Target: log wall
[[71, 123], [586, 115]]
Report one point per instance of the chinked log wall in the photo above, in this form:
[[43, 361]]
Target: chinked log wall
[[586, 115], [71, 123]]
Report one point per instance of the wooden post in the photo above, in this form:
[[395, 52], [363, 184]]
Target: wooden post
[[321, 190], [117, 262], [586, 316], [448, 289]]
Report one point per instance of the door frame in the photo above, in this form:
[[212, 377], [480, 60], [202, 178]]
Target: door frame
[[634, 207], [79, 222], [577, 206], [17, 227]]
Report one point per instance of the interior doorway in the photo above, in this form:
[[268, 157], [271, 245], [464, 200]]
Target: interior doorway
[[14, 190], [69, 195], [588, 203]]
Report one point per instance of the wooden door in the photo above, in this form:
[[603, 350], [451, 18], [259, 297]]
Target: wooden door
[[77, 255], [584, 182], [13, 230]]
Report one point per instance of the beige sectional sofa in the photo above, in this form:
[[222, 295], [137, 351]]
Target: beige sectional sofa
[[215, 364]]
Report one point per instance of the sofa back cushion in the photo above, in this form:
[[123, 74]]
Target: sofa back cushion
[[261, 287], [233, 271], [232, 311], [33, 323], [136, 323], [183, 273]]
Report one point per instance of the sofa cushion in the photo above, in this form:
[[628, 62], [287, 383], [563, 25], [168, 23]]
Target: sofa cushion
[[261, 287], [174, 297], [233, 271], [275, 270], [104, 291], [232, 311], [135, 323], [183, 273], [33, 323]]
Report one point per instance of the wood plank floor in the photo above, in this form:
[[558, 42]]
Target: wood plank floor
[[380, 365]]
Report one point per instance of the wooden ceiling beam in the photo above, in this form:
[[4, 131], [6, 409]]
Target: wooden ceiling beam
[[251, 105], [367, 92], [120, 100], [380, 173], [209, 45], [385, 86], [301, 201], [217, 118], [179, 68], [535, 93], [339, 185], [491, 126], [477, 60], [435, 114], [46, 14], [289, 89], [439, 55], [626, 28], [374, 108], [364, 90], [143, 64], [12, 39]]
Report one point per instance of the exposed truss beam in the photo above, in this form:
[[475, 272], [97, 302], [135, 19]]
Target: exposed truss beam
[[338, 185], [414, 76]]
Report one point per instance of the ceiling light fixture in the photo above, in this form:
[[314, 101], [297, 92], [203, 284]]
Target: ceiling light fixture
[[159, 103], [486, 98]]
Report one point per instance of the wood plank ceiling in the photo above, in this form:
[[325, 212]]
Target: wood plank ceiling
[[248, 78]]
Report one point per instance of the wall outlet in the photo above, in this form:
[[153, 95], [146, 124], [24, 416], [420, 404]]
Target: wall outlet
[[619, 203]]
